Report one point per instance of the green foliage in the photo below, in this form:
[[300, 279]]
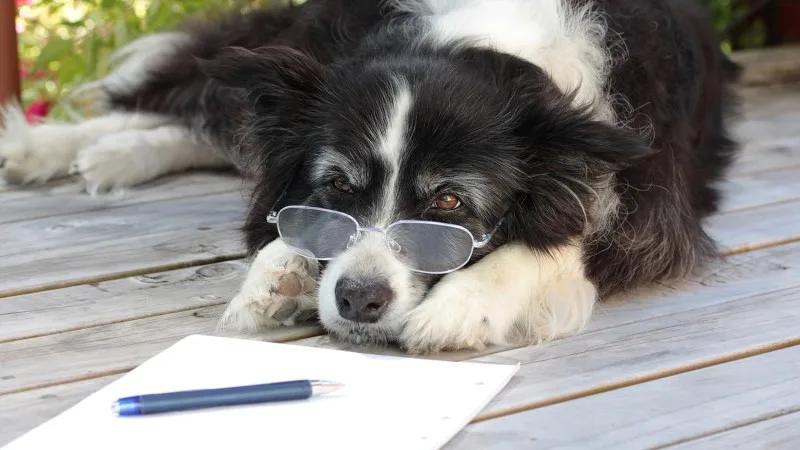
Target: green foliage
[[64, 43], [724, 12]]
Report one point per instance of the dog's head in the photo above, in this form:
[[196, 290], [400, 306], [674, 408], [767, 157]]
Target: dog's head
[[465, 137]]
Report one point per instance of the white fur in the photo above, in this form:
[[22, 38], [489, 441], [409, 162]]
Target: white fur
[[135, 156], [567, 42], [391, 145], [257, 302], [117, 149], [38, 153], [513, 294], [133, 62], [368, 259]]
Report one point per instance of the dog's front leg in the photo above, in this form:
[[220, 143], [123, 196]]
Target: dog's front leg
[[513, 293], [280, 289]]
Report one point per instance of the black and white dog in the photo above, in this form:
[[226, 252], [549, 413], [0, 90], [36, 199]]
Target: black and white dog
[[592, 131]]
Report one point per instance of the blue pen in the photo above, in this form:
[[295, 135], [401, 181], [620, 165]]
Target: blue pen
[[210, 398]]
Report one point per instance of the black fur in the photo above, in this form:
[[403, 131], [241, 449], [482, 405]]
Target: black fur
[[274, 87]]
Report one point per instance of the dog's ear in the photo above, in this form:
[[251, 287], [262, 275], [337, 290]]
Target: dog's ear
[[547, 118], [569, 155], [561, 129], [266, 71]]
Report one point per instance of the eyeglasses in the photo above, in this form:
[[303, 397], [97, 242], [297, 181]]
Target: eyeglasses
[[422, 246]]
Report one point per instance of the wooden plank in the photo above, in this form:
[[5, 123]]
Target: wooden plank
[[117, 347], [756, 228], [23, 411], [120, 346], [768, 155], [98, 349], [762, 188], [774, 434], [69, 198], [99, 245], [82, 229], [131, 298], [766, 101], [656, 413], [779, 126], [768, 66], [704, 327]]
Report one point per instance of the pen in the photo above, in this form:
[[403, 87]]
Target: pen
[[209, 398]]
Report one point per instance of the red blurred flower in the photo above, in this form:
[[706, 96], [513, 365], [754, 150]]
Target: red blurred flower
[[37, 111], [23, 2]]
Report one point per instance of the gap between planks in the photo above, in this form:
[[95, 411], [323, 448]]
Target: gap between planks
[[111, 322], [656, 414], [633, 381], [453, 356], [282, 335], [41, 202], [733, 428], [124, 274], [775, 432], [744, 267]]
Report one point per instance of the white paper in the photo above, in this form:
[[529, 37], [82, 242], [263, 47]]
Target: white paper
[[387, 403]]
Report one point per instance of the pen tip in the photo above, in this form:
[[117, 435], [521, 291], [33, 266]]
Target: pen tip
[[321, 387], [115, 408]]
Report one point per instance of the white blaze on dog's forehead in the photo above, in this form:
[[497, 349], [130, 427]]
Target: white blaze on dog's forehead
[[391, 144]]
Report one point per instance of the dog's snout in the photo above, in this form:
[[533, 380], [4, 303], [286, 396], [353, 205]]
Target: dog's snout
[[362, 300]]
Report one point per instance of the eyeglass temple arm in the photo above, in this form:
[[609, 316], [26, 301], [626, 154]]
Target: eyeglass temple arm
[[488, 236], [272, 217]]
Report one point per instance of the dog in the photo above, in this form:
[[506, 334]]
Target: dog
[[577, 143]]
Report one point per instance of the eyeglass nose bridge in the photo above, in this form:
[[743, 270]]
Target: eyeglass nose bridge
[[391, 243]]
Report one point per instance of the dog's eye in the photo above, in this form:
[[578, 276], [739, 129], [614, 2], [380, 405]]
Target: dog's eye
[[446, 202], [341, 184]]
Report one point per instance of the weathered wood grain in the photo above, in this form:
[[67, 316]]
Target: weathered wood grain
[[70, 198], [121, 346], [769, 127], [757, 227], [92, 350], [81, 229], [767, 101], [655, 413], [778, 433], [768, 155], [21, 412], [87, 305], [615, 351], [761, 188], [81, 248]]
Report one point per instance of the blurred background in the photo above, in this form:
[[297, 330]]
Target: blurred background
[[63, 43]]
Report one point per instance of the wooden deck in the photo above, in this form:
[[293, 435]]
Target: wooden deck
[[91, 287]]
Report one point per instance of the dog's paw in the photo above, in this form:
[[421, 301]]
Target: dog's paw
[[278, 292], [115, 161], [457, 314], [33, 154]]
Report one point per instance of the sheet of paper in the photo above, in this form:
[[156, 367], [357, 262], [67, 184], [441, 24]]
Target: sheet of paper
[[388, 402]]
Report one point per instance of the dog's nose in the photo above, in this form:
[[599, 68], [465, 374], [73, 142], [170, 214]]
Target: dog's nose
[[362, 300]]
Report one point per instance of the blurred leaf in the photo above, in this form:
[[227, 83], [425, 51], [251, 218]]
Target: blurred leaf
[[55, 50]]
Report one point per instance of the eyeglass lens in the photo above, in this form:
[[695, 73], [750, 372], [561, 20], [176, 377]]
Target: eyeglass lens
[[422, 246]]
